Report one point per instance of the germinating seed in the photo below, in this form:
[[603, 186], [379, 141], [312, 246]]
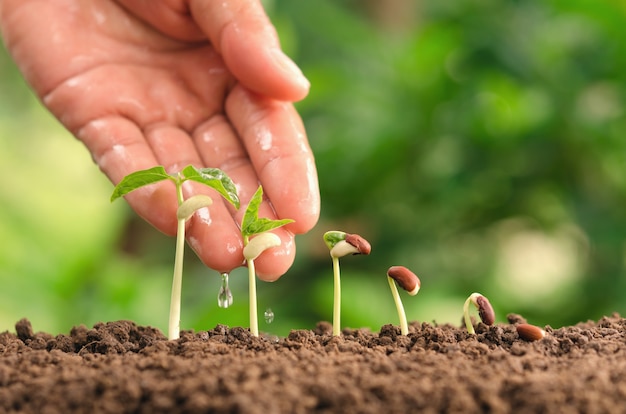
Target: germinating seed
[[406, 279], [485, 310]]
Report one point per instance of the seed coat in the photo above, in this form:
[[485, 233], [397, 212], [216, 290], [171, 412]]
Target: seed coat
[[530, 332], [405, 278]]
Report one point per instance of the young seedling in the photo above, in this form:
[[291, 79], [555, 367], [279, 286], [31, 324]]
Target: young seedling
[[530, 332], [252, 225], [485, 311], [212, 177], [342, 244], [408, 281]]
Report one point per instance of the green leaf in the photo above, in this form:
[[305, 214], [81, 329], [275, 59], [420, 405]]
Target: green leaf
[[139, 179], [252, 224], [251, 214], [216, 179], [264, 224]]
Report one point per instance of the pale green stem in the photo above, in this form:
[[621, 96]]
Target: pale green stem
[[177, 281], [466, 316], [337, 298], [254, 322], [404, 328]]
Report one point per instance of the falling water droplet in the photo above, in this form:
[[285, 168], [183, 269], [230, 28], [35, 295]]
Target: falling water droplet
[[269, 315], [225, 296]]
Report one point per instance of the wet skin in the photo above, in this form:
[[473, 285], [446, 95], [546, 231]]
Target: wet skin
[[173, 83]]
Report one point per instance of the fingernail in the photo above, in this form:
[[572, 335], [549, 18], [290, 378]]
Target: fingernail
[[290, 68]]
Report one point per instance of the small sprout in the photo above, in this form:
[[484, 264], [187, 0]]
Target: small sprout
[[211, 177], [408, 281], [485, 311], [342, 244], [530, 332], [252, 225]]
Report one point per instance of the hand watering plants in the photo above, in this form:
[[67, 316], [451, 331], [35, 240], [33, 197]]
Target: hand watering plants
[[175, 84], [143, 84], [478, 143]]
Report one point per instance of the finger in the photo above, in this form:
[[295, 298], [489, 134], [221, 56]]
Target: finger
[[274, 262], [169, 16], [221, 148], [248, 43], [118, 147], [213, 234], [274, 137]]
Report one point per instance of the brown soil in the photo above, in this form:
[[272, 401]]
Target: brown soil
[[119, 367]]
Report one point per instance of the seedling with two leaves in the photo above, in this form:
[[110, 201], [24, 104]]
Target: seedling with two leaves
[[211, 177]]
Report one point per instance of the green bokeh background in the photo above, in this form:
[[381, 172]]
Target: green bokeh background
[[480, 143]]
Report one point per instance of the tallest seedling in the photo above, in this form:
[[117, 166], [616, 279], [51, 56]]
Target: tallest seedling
[[212, 177]]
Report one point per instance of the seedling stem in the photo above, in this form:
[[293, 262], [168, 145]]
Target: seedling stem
[[336, 297], [254, 321], [177, 279], [404, 327]]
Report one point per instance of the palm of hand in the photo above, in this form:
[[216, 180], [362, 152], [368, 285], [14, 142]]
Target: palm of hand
[[137, 98]]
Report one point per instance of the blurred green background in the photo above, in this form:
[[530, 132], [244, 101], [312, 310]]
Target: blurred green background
[[480, 143]]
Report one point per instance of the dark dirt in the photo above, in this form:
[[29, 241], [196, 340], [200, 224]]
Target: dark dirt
[[119, 367]]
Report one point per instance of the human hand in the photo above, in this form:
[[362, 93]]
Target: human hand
[[172, 83]]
